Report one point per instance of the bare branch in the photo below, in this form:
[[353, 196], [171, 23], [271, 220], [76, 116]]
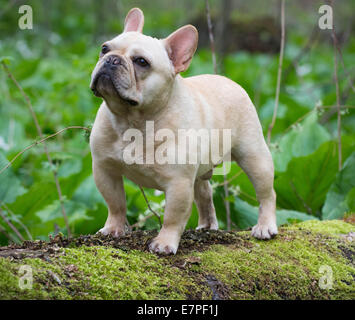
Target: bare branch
[[17, 220], [7, 235], [350, 80], [13, 228], [136, 225], [210, 33], [148, 204], [230, 180], [8, 7], [307, 48], [39, 142], [337, 95], [214, 60], [282, 47], [305, 205]]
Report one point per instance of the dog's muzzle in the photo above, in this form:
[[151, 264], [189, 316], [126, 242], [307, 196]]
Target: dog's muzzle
[[109, 65], [106, 71]]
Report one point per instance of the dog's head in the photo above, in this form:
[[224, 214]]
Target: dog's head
[[135, 70]]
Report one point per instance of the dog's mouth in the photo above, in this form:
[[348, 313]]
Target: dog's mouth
[[104, 80]]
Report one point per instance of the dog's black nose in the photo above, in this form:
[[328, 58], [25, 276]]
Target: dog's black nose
[[113, 60]]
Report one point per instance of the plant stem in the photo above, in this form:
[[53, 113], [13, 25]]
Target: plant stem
[[337, 91], [38, 142], [13, 228], [214, 60], [39, 131], [279, 73], [17, 220], [149, 207]]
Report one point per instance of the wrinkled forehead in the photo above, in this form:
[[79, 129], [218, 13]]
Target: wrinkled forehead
[[135, 43]]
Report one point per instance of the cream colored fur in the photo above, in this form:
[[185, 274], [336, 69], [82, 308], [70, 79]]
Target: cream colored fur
[[173, 102]]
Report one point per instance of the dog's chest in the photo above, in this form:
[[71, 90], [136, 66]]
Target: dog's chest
[[118, 149], [129, 158]]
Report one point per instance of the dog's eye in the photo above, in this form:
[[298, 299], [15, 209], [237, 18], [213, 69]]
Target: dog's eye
[[104, 49], [141, 62]]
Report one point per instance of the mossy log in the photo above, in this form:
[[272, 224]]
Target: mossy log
[[308, 260]]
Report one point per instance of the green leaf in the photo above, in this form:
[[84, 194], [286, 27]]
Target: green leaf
[[6, 59], [341, 196], [247, 215], [44, 193], [302, 140], [303, 187], [37, 197], [291, 216], [72, 164], [10, 185]]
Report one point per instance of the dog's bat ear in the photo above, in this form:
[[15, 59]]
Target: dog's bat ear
[[181, 46], [134, 20]]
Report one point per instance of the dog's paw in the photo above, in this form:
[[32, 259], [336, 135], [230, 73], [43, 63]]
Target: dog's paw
[[115, 231], [163, 246], [265, 232]]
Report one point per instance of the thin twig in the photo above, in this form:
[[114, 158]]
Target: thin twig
[[210, 33], [226, 202], [309, 112], [214, 60], [229, 180], [333, 110], [13, 228], [9, 6], [7, 235], [307, 47], [39, 142], [305, 205], [299, 120], [39, 131], [136, 225], [337, 95], [351, 83], [282, 46], [148, 204], [17, 219], [343, 107], [248, 196]]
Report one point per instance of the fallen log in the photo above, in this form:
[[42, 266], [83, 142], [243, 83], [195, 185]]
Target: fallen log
[[308, 260]]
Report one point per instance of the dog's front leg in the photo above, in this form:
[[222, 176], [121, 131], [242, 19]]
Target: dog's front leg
[[110, 185], [179, 198]]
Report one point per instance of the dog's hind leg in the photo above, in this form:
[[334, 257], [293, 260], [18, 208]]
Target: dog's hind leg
[[204, 202], [255, 159]]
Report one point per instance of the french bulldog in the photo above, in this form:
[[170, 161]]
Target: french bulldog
[[138, 78]]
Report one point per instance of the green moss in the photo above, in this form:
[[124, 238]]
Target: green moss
[[333, 227], [96, 273], [279, 269], [109, 273], [287, 267], [44, 285]]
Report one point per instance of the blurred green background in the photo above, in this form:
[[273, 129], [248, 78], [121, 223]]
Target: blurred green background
[[53, 63]]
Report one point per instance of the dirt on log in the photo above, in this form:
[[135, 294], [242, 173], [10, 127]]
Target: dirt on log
[[308, 260]]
